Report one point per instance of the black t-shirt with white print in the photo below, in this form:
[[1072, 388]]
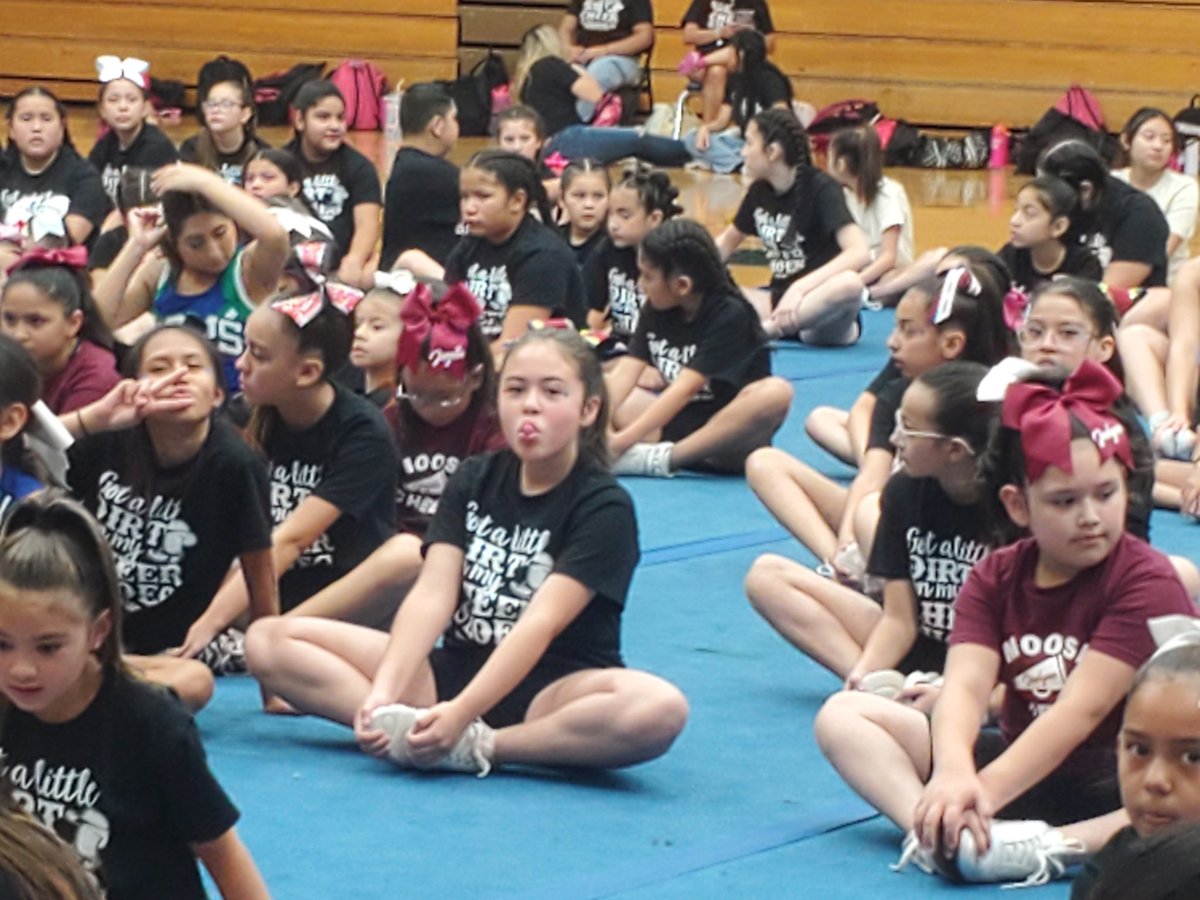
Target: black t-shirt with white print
[[1131, 228], [532, 268], [151, 149], [713, 15], [348, 459], [723, 342], [335, 186], [68, 186], [174, 531], [421, 208], [798, 228], [1079, 261], [583, 528], [429, 455], [126, 784], [931, 541], [605, 21], [611, 279], [230, 166]]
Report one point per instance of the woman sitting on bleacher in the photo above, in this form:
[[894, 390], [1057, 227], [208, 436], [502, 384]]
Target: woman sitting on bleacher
[[607, 37], [755, 85], [546, 81]]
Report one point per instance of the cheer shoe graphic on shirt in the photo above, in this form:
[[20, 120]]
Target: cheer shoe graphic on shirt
[[1043, 680], [431, 485]]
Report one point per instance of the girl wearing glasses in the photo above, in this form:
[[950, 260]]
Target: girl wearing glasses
[[933, 528], [443, 413], [227, 142]]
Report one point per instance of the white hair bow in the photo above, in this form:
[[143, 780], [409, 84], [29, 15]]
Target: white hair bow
[[398, 281], [111, 68], [1172, 632]]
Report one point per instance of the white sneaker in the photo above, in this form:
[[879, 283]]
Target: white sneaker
[[472, 753], [1028, 850], [911, 851], [650, 460]]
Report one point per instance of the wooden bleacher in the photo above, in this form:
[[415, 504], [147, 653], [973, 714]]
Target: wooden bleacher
[[956, 63], [56, 43]]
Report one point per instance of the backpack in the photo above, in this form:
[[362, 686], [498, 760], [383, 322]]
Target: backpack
[[472, 93], [363, 87], [274, 93], [836, 116], [1187, 131], [1076, 116]]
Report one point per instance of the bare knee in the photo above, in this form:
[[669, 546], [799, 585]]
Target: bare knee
[[716, 74], [262, 638], [830, 724], [764, 579], [1188, 574], [773, 398], [654, 718], [765, 465]]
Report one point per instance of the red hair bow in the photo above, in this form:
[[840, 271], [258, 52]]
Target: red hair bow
[[1043, 416], [43, 257], [436, 332], [306, 307], [1016, 308]]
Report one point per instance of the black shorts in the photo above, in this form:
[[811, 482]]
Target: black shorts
[[1059, 798], [691, 418], [925, 655], [453, 669]]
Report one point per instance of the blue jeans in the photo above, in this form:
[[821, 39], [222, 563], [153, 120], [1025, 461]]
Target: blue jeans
[[724, 151], [606, 145], [611, 72]]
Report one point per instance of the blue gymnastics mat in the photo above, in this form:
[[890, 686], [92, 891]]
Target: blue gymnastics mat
[[743, 805]]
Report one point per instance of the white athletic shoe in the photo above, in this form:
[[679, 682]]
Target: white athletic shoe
[[1024, 853], [650, 460], [472, 753]]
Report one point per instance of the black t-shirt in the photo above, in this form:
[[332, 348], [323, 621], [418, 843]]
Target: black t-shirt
[[1131, 228], [175, 531], [126, 783], [611, 279], [605, 21], [1079, 261], [548, 91], [883, 419], [889, 372], [932, 542], [713, 15], [108, 244], [798, 228], [334, 187], [531, 268], [69, 186], [584, 250], [748, 93], [583, 528], [421, 206], [230, 166], [724, 343], [347, 459], [429, 455], [1116, 850], [151, 149]]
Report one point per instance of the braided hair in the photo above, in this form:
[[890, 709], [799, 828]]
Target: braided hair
[[654, 190], [684, 247], [515, 173], [780, 126]]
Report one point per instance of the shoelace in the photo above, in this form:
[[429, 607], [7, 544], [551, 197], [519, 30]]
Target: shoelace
[[473, 751], [1051, 861], [911, 852]]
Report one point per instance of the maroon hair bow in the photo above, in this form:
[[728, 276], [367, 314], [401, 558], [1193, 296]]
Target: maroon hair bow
[[43, 257], [1043, 416], [1016, 308], [436, 332]]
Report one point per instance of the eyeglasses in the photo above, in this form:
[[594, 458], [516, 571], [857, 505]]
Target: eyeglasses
[[908, 434], [222, 105], [427, 401], [1032, 335]]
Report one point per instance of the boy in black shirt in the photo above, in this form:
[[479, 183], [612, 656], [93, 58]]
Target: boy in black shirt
[[420, 212]]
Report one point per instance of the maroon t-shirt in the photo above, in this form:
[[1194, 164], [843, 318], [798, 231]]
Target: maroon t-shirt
[[1041, 633], [91, 373], [430, 455]]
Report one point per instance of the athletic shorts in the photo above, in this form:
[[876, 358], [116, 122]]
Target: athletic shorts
[[1059, 799], [453, 669]]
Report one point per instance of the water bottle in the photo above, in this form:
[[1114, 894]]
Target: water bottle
[[998, 155], [391, 115]]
